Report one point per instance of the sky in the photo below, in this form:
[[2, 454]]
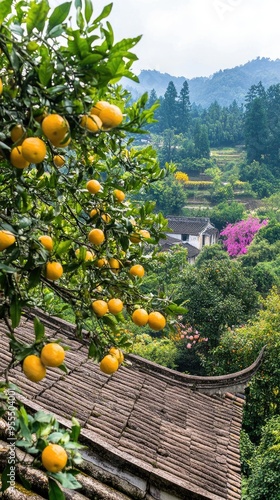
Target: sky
[[196, 37]]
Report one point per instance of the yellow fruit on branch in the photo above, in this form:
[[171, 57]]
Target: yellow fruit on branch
[[106, 218], [33, 368], [52, 354], [115, 306], [55, 128], [6, 239], [137, 270], [89, 256], [93, 212], [109, 364], [156, 321], [93, 186], [91, 122], [58, 160], [114, 264], [17, 159], [17, 133], [54, 271], [46, 241], [101, 262], [140, 317], [96, 236], [100, 307], [110, 115], [1, 86], [54, 458], [144, 233], [119, 195], [114, 351], [34, 149]]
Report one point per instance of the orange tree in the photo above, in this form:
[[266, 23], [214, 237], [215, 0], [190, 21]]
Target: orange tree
[[68, 167]]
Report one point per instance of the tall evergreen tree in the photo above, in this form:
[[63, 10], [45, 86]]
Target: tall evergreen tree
[[169, 108], [256, 129], [273, 122], [184, 108]]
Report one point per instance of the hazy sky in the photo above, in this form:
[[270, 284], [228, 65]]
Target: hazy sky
[[196, 37]]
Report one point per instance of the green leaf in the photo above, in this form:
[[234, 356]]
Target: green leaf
[[15, 311], [59, 15], [45, 72], [75, 430], [5, 478], [34, 277], [7, 269], [105, 13], [67, 480], [55, 437], [5, 9], [37, 15], [88, 10], [55, 492], [63, 247], [39, 329], [41, 416]]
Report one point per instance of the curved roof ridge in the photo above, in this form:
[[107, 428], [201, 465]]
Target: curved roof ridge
[[216, 384]]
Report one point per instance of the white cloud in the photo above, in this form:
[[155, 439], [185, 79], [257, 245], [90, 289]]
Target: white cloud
[[196, 37]]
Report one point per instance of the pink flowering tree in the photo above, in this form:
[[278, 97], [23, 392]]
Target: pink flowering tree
[[238, 237]]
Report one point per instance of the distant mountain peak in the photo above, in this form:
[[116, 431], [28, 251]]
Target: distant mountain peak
[[224, 86]]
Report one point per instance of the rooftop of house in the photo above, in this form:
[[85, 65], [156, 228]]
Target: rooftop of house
[[188, 225], [169, 241], [148, 428]]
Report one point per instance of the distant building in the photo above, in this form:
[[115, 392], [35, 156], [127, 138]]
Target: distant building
[[193, 233]]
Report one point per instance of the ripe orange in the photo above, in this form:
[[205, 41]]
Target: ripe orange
[[88, 256], [93, 212], [46, 241], [93, 186], [54, 271], [110, 114], [100, 307], [119, 195], [54, 457], [114, 351], [109, 364], [17, 159], [114, 264], [144, 233], [106, 218], [96, 236], [140, 317], [137, 270], [1, 86], [6, 239], [34, 149], [91, 122], [52, 354], [55, 128], [135, 238], [156, 321], [115, 306], [33, 368], [101, 262], [58, 160], [17, 133]]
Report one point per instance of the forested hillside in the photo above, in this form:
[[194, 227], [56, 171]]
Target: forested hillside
[[223, 86]]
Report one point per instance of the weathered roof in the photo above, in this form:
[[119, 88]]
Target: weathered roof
[[188, 225], [151, 428]]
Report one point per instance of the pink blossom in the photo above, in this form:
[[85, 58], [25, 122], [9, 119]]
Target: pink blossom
[[189, 346], [238, 237]]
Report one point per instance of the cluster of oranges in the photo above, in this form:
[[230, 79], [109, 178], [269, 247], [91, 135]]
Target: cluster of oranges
[[103, 116], [35, 367]]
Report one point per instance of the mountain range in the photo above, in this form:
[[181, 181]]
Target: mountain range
[[224, 86]]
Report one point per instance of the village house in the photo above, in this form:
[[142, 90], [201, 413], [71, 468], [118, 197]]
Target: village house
[[193, 233]]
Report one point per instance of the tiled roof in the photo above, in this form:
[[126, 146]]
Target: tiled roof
[[188, 225], [167, 243], [145, 420]]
